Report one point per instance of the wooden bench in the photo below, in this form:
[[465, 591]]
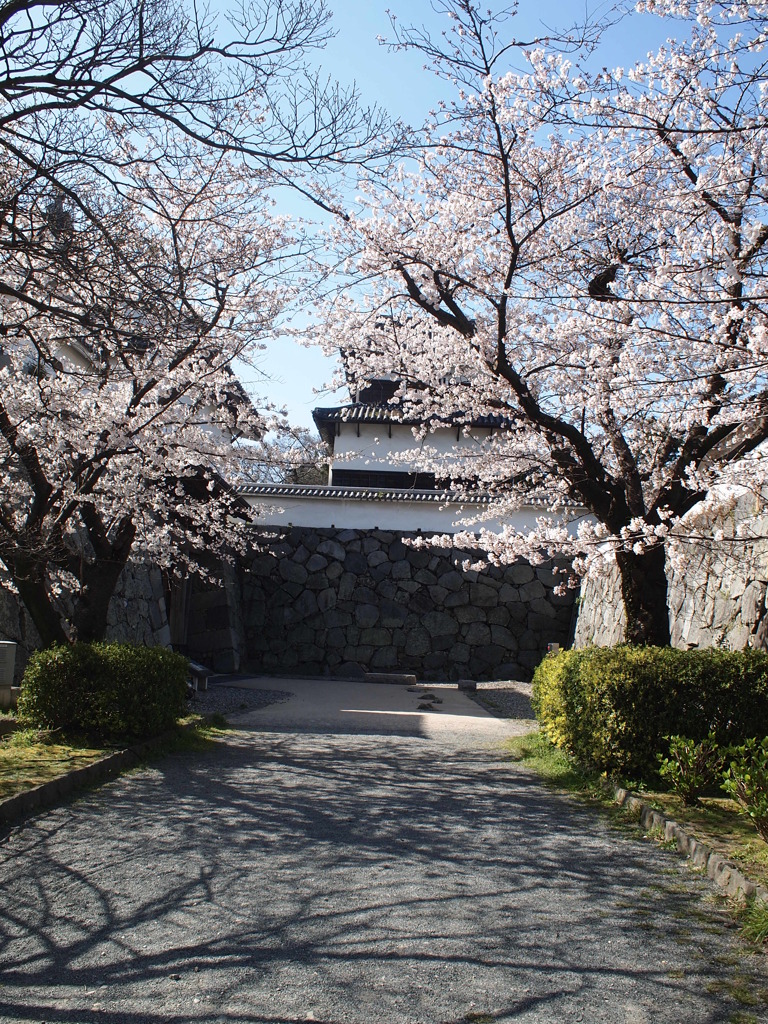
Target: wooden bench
[[198, 676]]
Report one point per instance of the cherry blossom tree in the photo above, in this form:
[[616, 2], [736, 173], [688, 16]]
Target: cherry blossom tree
[[582, 254], [140, 256]]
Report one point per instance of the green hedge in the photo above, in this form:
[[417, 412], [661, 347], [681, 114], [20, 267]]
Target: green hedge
[[612, 707], [110, 691]]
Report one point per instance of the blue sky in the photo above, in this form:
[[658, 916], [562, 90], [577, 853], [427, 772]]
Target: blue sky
[[398, 82]]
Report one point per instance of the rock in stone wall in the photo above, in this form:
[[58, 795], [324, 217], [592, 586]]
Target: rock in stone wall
[[214, 627], [137, 613], [329, 601], [16, 625], [717, 587], [601, 619]]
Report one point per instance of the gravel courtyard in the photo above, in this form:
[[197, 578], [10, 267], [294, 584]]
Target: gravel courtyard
[[311, 871]]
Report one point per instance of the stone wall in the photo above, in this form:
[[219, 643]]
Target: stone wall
[[717, 572], [136, 615], [330, 601]]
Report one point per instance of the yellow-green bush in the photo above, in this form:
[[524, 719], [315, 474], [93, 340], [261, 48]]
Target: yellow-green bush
[[109, 691], [549, 700], [611, 708]]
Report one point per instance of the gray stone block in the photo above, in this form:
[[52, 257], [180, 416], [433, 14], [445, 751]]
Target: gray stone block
[[543, 606], [316, 562], [468, 613], [350, 670], [347, 536], [332, 549], [520, 573], [393, 613], [497, 616], [376, 637], [338, 618], [398, 551], [317, 581], [503, 637], [360, 653], [380, 572], [530, 591], [483, 596], [334, 570], [384, 658], [346, 586], [401, 571], [337, 638], [453, 581], [418, 558], [752, 603], [366, 615], [460, 653], [476, 634], [306, 603], [440, 624], [292, 572], [418, 643], [326, 599], [489, 656], [435, 661]]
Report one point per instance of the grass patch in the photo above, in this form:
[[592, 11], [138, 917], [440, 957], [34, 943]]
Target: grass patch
[[739, 988], [31, 757], [754, 922], [549, 762]]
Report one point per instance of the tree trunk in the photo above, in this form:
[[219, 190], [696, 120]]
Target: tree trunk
[[99, 574], [644, 590], [37, 600]]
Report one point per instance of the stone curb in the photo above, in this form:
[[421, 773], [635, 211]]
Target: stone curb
[[50, 793], [723, 872], [393, 678]]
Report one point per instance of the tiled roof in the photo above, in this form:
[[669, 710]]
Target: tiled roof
[[541, 501], [362, 413], [359, 494]]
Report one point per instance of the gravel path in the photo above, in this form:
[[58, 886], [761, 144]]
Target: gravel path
[[354, 879], [510, 699], [227, 700]]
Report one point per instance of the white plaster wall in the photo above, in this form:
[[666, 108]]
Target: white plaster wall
[[368, 515], [375, 449]]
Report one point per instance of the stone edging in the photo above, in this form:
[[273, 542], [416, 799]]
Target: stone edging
[[50, 793], [723, 872]]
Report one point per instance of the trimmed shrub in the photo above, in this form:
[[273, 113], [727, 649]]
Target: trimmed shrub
[[110, 691], [548, 698], [611, 708]]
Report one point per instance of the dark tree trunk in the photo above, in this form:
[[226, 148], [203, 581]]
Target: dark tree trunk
[[37, 600], [644, 590]]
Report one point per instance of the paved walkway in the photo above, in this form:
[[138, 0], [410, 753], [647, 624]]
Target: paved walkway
[[346, 858]]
